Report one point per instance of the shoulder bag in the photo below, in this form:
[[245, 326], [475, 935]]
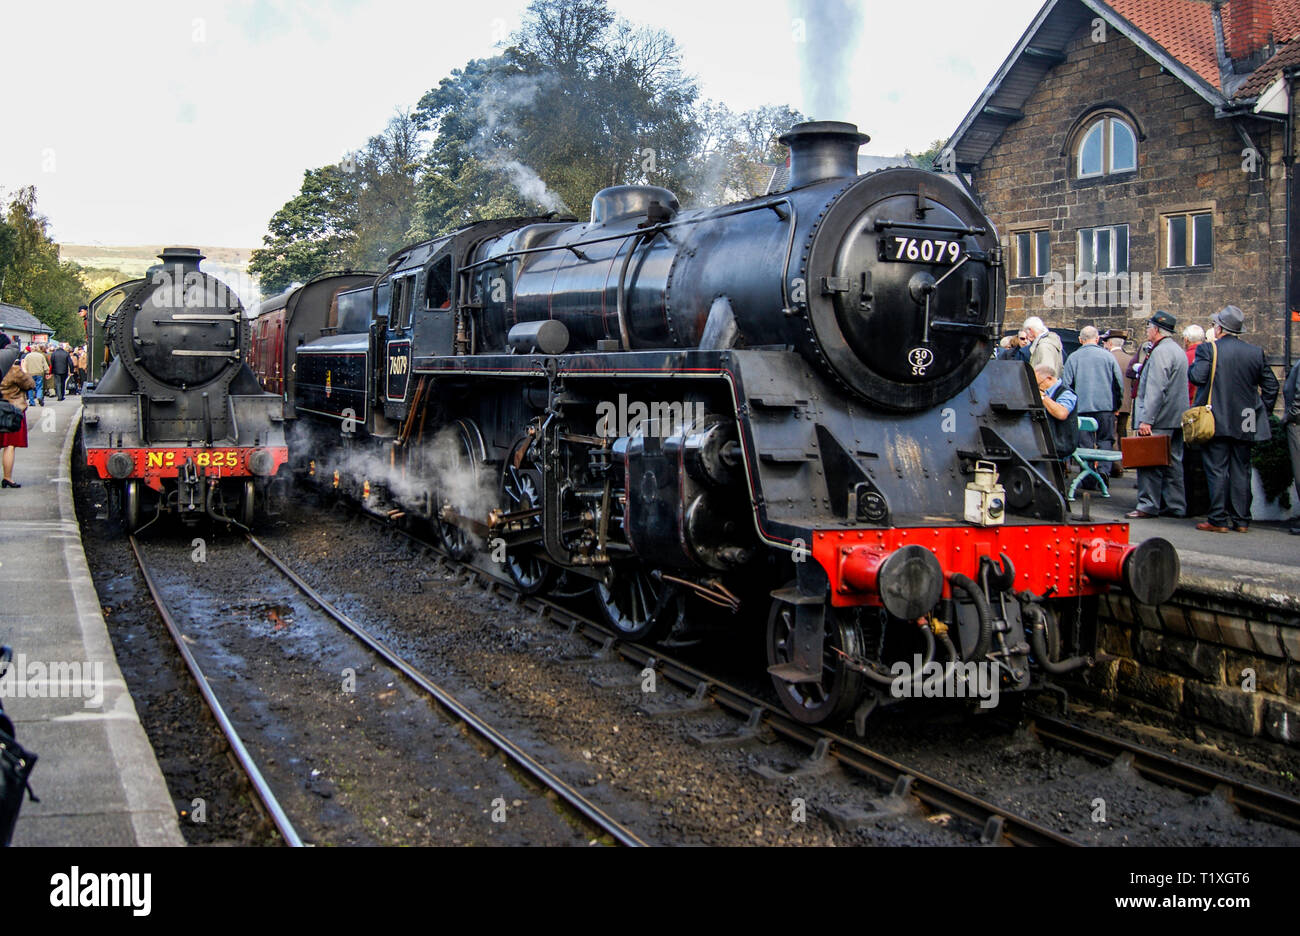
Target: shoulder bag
[[1198, 422]]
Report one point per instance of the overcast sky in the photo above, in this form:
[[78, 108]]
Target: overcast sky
[[191, 121]]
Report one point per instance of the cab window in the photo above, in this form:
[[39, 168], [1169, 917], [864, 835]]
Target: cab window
[[403, 301], [438, 288]]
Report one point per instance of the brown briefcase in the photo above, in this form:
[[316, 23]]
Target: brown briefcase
[[1144, 451]]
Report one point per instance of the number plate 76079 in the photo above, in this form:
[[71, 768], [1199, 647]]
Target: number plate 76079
[[921, 250]]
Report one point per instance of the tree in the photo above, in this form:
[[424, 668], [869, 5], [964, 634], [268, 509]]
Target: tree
[[925, 159], [32, 275], [384, 185], [313, 232], [737, 153], [578, 101]]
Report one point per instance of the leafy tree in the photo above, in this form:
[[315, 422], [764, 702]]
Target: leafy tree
[[385, 188], [313, 232], [351, 215], [31, 273], [737, 153], [579, 99], [925, 159]]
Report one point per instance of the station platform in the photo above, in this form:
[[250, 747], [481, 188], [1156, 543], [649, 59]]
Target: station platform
[[1262, 565], [97, 777]]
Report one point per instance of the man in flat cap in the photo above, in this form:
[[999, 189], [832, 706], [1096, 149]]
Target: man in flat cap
[[1158, 408], [1244, 392]]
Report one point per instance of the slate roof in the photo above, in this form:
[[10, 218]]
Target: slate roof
[[16, 318]]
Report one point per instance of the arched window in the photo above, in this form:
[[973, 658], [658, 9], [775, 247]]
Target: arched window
[[1107, 146]]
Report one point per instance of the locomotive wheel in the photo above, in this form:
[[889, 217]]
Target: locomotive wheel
[[462, 461], [631, 602], [247, 503], [522, 490], [834, 696], [131, 506], [453, 539]]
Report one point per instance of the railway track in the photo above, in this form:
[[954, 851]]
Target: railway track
[[590, 812], [266, 797], [996, 822], [517, 755], [1250, 799]]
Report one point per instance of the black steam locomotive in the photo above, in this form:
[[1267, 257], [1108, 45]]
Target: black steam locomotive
[[786, 403], [179, 422]]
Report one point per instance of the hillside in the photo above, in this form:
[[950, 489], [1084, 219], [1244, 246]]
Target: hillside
[[229, 264]]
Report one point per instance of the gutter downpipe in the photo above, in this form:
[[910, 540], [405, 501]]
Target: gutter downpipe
[[1288, 163]]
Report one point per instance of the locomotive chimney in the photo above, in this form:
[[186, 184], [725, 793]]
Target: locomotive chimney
[[822, 149], [187, 258]]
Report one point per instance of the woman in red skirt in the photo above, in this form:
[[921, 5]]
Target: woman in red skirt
[[13, 389]]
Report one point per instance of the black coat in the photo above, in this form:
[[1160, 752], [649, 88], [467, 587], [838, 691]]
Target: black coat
[[1244, 381], [1291, 412], [60, 361]]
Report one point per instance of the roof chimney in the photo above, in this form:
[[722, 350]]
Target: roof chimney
[[1248, 33]]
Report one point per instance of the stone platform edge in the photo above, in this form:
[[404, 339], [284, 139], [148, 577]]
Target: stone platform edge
[[1242, 588], [153, 814]]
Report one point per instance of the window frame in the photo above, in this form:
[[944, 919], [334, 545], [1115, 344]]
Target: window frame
[[402, 302], [1189, 214], [1113, 251], [1040, 265], [1104, 121]]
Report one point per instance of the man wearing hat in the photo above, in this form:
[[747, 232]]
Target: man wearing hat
[[1158, 408], [1244, 392]]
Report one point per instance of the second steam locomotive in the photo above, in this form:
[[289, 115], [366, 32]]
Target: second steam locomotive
[[786, 404], [178, 422]]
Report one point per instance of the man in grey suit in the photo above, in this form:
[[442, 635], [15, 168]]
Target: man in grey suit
[[1094, 375], [1158, 409], [1245, 389]]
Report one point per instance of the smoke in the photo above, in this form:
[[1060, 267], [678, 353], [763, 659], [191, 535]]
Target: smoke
[[530, 184], [456, 481], [442, 476], [497, 139], [826, 44]]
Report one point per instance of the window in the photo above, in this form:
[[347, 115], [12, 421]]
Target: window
[[1108, 146], [403, 302], [1033, 254], [438, 285], [1103, 250], [1188, 239]]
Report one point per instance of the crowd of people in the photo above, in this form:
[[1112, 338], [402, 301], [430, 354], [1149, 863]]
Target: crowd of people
[[1146, 394], [29, 373]]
